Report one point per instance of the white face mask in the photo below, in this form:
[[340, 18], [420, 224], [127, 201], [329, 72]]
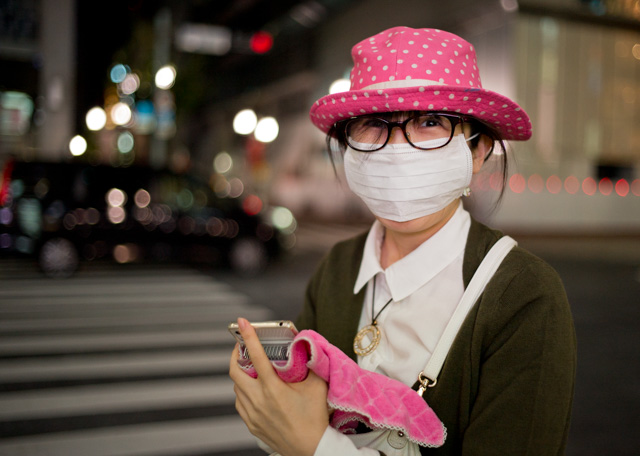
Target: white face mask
[[401, 183]]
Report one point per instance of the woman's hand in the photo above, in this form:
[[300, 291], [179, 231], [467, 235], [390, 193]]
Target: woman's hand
[[289, 417]]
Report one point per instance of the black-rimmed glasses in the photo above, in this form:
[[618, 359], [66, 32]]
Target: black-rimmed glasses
[[425, 131]]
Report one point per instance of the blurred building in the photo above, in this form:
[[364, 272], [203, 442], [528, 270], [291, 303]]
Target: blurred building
[[37, 75], [574, 65]]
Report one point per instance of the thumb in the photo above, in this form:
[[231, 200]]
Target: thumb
[[257, 355]]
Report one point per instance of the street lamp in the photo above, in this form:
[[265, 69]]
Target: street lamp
[[245, 122], [96, 118], [165, 77], [77, 146], [266, 130]]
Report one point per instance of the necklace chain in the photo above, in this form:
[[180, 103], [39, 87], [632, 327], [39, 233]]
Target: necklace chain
[[373, 303], [370, 330]]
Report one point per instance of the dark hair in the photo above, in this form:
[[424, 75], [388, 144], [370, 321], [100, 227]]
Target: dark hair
[[337, 144]]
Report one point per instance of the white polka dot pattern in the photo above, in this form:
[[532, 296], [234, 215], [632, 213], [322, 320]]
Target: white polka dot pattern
[[403, 69]]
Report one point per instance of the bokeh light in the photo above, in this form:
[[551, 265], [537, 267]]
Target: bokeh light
[[130, 84], [572, 185], [96, 118], [118, 73], [116, 197], [261, 42], [121, 114], [245, 121], [283, 219], [622, 187], [589, 186], [340, 85], [126, 253], [267, 129], [509, 5], [554, 184], [517, 183], [125, 142], [236, 188], [252, 205], [535, 183], [77, 146], [605, 186], [222, 163], [165, 77], [116, 215], [142, 198]]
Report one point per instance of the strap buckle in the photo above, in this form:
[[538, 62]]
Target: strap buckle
[[425, 382]]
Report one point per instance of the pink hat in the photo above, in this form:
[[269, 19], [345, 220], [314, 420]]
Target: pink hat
[[405, 69]]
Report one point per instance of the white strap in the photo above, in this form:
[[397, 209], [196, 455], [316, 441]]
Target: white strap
[[483, 274]]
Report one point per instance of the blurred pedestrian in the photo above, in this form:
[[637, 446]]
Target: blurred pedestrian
[[414, 128]]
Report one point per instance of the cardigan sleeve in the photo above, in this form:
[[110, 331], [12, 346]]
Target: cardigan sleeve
[[526, 367]]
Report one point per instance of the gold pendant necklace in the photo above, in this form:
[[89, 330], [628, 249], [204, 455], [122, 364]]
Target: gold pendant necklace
[[370, 330]]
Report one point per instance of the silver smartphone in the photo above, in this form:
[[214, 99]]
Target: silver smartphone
[[275, 336]]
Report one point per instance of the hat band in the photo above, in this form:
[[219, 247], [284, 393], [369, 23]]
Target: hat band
[[401, 84]]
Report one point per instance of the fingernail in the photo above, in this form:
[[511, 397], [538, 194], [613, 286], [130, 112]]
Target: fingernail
[[242, 323]]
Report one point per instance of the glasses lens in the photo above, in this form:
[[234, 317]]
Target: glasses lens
[[429, 127], [366, 133]]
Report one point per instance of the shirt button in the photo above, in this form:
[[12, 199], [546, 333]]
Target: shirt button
[[397, 440]]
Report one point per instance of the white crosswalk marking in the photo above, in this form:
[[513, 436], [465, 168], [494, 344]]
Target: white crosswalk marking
[[184, 437], [113, 363], [115, 397]]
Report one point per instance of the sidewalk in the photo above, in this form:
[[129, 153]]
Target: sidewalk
[[625, 249]]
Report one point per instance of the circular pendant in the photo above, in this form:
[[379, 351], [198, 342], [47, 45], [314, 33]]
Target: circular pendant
[[374, 334]]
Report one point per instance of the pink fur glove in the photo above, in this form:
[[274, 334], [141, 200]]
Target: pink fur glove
[[358, 395]]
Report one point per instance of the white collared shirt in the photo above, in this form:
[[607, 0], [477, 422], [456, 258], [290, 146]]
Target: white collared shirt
[[425, 287]]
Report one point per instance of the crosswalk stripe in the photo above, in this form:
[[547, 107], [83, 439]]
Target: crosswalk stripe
[[175, 317], [183, 437], [122, 311], [99, 298], [140, 287], [119, 397], [113, 365], [60, 344]]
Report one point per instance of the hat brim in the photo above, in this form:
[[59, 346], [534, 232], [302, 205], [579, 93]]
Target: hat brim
[[509, 119]]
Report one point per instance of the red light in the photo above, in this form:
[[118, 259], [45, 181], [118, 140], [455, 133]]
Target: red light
[[4, 183], [622, 187], [517, 183], [572, 185], [554, 184], [605, 186], [252, 205], [261, 42], [535, 183], [589, 186]]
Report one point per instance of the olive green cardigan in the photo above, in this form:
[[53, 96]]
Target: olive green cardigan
[[506, 387]]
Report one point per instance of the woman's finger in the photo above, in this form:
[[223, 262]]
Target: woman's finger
[[257, 355]]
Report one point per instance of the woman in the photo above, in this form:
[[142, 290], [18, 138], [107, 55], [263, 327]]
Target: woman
[[415, 127]]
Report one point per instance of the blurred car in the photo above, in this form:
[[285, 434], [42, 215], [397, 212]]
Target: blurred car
[[65, 213]]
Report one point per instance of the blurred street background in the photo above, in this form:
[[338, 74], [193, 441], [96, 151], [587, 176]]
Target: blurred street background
[[159, 176]]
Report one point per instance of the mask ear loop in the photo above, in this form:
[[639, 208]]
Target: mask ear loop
[[472, 137], [467, 190]]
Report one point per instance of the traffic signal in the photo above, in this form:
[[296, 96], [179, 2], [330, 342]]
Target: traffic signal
[[261, 42]]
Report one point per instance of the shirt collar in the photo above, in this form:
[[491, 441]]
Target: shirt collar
[[408, 274]]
